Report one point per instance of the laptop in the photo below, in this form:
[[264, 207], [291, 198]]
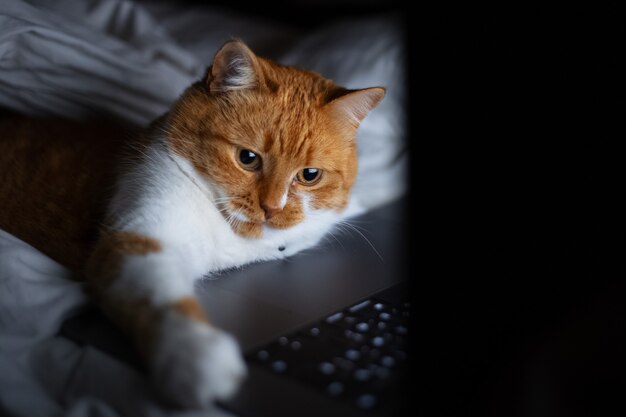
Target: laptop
[[324, 332]]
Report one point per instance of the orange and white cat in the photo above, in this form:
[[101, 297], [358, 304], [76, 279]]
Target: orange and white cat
[[255, 162]]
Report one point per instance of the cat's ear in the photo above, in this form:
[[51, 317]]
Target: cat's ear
[[235, 67], [354, 105]]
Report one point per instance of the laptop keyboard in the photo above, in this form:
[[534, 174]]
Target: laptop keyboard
[[354, 355]]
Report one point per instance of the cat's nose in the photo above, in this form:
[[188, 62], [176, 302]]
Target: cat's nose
[[270, 210]]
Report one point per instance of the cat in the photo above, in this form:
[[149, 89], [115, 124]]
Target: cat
[[254, 162]]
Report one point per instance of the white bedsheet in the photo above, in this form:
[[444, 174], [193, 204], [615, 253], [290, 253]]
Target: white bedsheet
[[130, 61]]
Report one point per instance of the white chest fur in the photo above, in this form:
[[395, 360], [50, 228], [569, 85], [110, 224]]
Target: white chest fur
[[166, 199]]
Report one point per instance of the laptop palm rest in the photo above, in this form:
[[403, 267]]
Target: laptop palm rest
[[262, 301]]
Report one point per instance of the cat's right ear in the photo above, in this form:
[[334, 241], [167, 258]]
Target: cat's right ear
[[235, 67], [353, 105]]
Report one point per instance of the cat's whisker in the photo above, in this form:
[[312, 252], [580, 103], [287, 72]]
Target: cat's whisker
[[229, 219], [146, 155], [339, 228], [220, 204], [235, 218], [222, 200], [350, 223], [236, 223], [333, 243], [346, 223], [358, 221], [330, 234], [223, 210]]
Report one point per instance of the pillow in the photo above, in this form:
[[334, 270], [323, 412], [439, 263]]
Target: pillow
[[89, 59]]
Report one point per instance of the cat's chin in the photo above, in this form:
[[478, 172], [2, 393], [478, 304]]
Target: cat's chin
[[254, 230]]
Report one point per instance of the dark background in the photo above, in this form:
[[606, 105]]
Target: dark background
[[515, 237], [515, 197]]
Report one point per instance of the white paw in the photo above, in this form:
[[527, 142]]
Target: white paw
[[195, 364]]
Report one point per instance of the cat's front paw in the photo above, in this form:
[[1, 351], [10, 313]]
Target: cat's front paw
[[195, 364]]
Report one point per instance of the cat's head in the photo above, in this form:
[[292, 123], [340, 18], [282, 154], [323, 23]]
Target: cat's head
[[278, 142]]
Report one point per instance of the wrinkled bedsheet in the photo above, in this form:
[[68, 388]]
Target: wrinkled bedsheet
[[129, 61]]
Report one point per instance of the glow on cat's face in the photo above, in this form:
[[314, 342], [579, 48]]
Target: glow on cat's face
[[278, 142]]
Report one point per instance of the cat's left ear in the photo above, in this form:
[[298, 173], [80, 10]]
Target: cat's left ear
[[235, 67], [354, 105]]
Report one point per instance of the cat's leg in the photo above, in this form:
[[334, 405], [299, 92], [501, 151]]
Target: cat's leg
[[144, 288]]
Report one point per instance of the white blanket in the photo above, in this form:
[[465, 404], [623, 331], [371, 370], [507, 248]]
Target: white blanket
[[130, 61]]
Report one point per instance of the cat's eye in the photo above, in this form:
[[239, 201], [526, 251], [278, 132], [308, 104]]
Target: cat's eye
[[309, 176], [248, 159]]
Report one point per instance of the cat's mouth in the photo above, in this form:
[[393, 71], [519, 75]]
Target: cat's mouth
[[241, 223], [245, 225], [236, 217]]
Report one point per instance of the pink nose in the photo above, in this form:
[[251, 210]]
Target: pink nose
[[270, 211]]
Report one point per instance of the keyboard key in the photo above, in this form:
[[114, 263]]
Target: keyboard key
[[385, 316], [334, 388], [334, 318], [379, 306], [378, 341], [283, 341], [263, 355], [362, 375], [279, 366], [362, 327], [359, 306], [355, 337], [387, 361], [327, 368], [401, 330], [366, 401], [353, 354], [314, 331]]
